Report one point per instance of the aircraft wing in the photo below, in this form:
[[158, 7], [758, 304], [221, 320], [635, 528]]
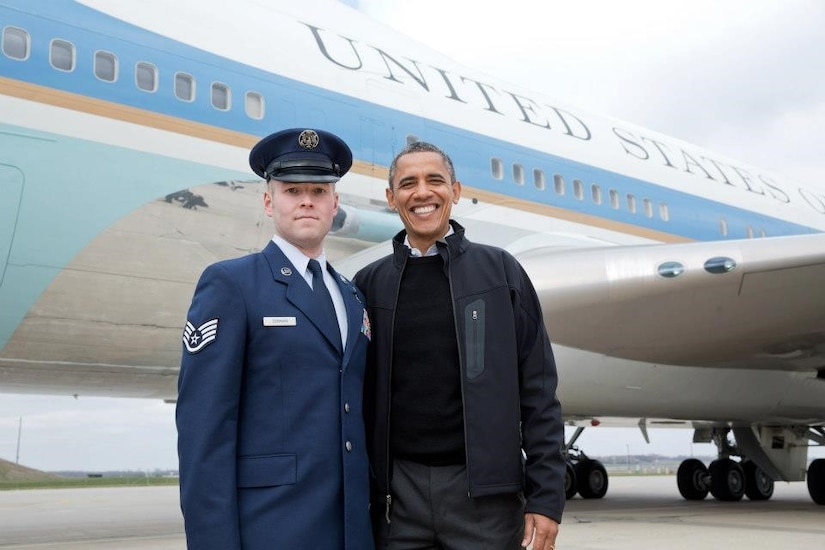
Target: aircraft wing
[[751, 304]]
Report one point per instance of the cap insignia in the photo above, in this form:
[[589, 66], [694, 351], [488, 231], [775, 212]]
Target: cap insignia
[[308, 139]]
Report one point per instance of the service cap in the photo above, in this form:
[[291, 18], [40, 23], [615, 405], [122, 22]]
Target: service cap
[[301, 155]]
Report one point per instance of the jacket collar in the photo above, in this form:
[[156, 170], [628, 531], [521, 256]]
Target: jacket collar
[[452, 246]]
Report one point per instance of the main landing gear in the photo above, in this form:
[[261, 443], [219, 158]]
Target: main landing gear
[[730, 480], [584, 476], [725, 479]]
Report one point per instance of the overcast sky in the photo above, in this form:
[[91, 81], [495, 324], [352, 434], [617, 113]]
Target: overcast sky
[[744, 78]]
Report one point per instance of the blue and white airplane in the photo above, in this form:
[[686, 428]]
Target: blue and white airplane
[[679, 287]]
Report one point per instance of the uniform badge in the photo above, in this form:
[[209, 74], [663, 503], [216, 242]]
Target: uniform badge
[[366, 329], [286, 272], [309, 139], [195, 339]]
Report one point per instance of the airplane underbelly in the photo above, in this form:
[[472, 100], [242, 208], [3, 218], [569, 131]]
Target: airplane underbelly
[[643, 390]]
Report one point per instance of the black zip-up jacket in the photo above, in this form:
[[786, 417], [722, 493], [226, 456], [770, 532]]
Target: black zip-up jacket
[[508, 378]]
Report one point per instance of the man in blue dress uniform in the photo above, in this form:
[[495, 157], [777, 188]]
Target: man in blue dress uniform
[[270, 430]]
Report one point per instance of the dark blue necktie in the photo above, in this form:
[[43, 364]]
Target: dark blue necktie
[[321, 293]]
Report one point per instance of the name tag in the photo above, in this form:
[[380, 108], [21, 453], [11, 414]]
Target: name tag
[[279, 321]]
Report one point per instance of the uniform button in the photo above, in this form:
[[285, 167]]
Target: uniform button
[[348, 445], [346, 407]]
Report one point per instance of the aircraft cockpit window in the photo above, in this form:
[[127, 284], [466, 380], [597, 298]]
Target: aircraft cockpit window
[[648, 206], [631, 203], [184, 87], [62, 55], [146, 76], [614, 199], [538, 179], [254, 105], [497, 168], [578, 189], [106, 66], [518, 174], [558, 184], [16, 43], [596, 193], [220, 96]]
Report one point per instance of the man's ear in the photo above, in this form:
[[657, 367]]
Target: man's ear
[[390, 198], [268, 200]]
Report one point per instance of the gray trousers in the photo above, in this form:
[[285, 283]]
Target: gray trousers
[[432, 511]]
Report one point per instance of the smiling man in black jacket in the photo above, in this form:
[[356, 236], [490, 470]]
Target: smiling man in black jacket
[[460, 379]]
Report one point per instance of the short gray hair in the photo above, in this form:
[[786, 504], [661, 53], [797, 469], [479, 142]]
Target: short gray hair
[[422, 147]]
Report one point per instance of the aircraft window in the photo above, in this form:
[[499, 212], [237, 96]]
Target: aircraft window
[[16, 43], [184, 87], [146, 76], [538, 179], [664, 212], [614, 199], [558, 184], [596, 193], [631, 203], [762, 232], [723, 227], [578, 189], [497, 168], [220, 96], [518, 174], [749, 232], [62, 55], [106, 66], [254, 105], [411, 138], [648, 206]]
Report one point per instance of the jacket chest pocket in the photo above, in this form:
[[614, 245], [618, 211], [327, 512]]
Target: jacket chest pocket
[[474, 320]]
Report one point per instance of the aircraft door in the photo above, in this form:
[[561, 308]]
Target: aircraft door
[[11, 192]]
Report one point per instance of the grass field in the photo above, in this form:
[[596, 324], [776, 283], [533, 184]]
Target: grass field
[[75, 482]]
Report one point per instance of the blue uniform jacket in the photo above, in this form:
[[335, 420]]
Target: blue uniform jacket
[[270, 431]]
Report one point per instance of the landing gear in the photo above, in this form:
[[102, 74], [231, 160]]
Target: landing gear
[[727, 480], [570, 481], [591, 478], [584, 475], [693, 479], [758, 484], [816, 480]]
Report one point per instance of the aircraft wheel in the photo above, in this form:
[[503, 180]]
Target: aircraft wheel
[[816, 480], [591, 479], [758, 485], [692, 479], [727, 480], [570, 481]]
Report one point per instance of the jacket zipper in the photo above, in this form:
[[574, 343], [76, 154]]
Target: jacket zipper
[[388, 497], [458, 341]]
